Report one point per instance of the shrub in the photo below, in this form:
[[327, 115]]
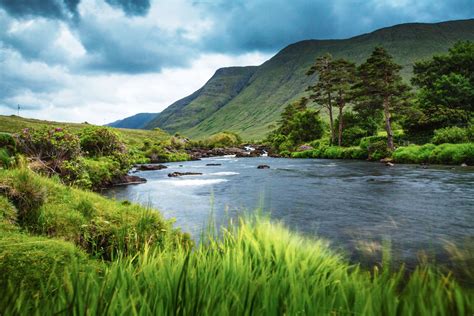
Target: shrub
[[5, 159], [375, 147], [453, 154], [413, 153], [453, 135], [7, 141], [223, 139], [98, 141], [28, 195], [441, 154], [53, 146], [352, 136]]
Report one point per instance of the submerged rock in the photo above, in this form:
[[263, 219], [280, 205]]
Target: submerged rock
[[213, 164], [179, 174], [263, 167], [151, 167]]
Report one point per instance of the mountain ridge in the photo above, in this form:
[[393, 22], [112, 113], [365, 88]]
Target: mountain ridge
[[255, 107]]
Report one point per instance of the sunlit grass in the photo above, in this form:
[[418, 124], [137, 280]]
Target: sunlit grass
[[254, 268]]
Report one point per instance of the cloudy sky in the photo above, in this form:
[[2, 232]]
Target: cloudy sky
[[101, 60]]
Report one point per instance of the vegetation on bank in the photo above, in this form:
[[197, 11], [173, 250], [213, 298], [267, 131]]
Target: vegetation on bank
[[84, 155], [362, 100]]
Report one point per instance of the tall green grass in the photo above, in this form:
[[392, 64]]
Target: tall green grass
[[253, 268]]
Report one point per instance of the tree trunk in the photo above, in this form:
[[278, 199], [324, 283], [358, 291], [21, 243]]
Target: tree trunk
[[341, 124], [388, 124], [331, 119]]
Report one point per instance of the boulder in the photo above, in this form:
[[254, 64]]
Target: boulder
[[386, 160], [213, 164], [464, 164], [150, 167], [389, 164], [179, 174], [263, 167], [129, 179]]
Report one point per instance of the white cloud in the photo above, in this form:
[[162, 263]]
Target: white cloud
[[102, 98]]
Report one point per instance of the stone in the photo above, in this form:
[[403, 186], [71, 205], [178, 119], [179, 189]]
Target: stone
[[179, 174], [213, 164], [263, 167], [151, 167]]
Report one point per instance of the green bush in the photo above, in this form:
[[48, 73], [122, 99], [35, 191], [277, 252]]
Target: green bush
[[223, 139], [453, 135], [453, 154], [351, 136], [5, 159], [98, 141], [375, 147], [442, 154], [52, 146], [7, 141], [413, 154], [28, 195]]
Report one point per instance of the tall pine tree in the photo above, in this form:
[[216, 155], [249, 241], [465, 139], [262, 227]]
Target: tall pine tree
[[343, 78], [380, 87], [322, 91]]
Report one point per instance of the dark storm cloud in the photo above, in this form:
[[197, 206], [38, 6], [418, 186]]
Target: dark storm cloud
[[58, 9], [129, 48], [269, 25], [131, 7]]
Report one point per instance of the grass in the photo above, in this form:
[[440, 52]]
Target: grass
[[99, 226], [254, 268], [131, 137]]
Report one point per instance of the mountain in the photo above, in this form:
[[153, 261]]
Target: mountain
[[249, 100], [137, 121], [190, 111]]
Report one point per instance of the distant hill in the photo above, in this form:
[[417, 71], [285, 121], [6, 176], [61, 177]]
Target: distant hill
[[137, 121], [190, 111], [249, 100]]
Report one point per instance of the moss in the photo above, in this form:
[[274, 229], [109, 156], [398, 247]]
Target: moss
[[30, 262]]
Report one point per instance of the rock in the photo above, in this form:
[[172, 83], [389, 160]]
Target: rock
[[263, 167], [213, 164], [389, 164], [179, 174], [464, 164], [129, 179], [151, 167]]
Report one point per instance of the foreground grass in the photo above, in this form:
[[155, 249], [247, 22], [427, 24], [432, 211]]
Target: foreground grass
[[257, 268]]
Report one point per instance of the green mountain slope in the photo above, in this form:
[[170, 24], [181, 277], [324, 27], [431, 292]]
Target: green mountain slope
[[137, 121], [253, 110], [186, 113]]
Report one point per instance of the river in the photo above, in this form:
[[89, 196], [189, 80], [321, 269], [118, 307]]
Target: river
[[353, 204]]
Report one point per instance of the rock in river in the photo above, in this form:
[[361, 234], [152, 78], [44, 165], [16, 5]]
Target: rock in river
[[213, 164], [151, 167], [263, 167], [128, 179], [179, 174]]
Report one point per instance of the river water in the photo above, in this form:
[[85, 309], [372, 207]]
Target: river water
[[353, 204]]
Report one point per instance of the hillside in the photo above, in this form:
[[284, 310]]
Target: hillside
[[186, 113], [136, 121], [251, 103], [134, 137]]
